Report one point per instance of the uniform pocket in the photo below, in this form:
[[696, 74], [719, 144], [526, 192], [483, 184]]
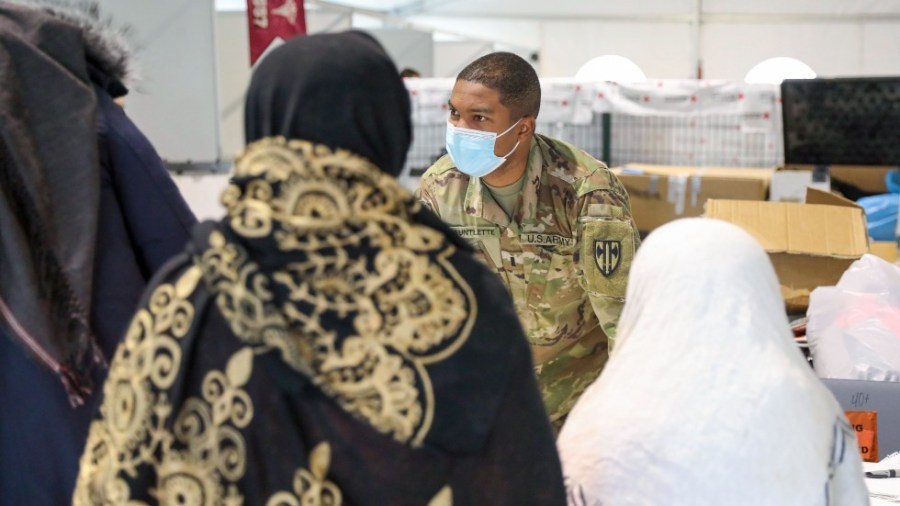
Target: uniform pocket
[[553, 295], [562, 281]]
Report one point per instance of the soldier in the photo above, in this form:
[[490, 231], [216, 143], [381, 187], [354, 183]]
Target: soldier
[[552, 221]]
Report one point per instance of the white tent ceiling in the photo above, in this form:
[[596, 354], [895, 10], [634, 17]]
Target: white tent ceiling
[[665, 38], [583, 9]]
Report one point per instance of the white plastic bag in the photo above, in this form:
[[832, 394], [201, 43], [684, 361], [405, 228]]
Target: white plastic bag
[[854, 327]]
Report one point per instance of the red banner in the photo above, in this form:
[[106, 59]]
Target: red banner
[[273, 21]]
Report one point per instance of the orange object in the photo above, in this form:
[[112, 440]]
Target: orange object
[[865, 423]]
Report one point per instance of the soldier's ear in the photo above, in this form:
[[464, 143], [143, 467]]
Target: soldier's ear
[[526, 127]]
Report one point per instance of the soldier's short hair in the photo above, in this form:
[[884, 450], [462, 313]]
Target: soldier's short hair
[[512, 77]]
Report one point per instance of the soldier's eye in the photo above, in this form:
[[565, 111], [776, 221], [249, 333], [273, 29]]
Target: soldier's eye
[[479, 118]]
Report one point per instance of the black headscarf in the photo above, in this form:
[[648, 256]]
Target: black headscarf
[[49, 192], [337, 89], [329, 340]]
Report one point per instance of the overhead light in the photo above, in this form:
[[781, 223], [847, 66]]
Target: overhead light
[[775, 70], [231, 5], [611, 67]]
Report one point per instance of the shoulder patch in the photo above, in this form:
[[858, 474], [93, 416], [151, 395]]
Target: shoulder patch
[[605, 211], [607, 250]]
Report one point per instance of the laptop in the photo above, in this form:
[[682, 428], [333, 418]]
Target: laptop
[[882, 397]]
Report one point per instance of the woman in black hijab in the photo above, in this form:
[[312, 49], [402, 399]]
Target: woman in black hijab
[[88, 212], [329, 341], [339, 90]]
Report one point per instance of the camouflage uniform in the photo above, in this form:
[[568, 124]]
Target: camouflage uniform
[[564, 257]]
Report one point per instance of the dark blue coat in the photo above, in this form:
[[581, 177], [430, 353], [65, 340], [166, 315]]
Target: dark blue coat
[[143, 222]]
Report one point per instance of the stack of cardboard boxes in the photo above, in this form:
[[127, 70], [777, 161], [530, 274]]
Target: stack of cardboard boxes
[[660, 194], [811, 243], [811, 235]]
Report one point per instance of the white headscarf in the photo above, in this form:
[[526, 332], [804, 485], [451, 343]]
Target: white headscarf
[[706, 399]]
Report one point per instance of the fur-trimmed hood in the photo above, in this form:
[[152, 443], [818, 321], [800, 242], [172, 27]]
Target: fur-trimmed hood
[[108, 45]]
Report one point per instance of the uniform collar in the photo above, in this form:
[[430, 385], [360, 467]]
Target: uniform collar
[[481, 204]]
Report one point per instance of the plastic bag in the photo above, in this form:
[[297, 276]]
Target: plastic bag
[[854, 327], [881, 215], [892, 181]]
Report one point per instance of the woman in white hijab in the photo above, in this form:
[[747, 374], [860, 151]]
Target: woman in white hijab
[[706, 399]]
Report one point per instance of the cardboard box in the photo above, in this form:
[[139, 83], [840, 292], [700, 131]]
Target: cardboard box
[[810, 244], [791, 185], [885, 250], [660, 193], [869, 179]]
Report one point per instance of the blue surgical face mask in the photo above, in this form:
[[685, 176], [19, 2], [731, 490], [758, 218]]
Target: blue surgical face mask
[[473, 150]]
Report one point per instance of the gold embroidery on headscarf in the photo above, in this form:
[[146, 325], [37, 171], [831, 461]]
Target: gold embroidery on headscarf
[[444, 497], [410, 309], [310, 486], [408, 305], [203, 451]]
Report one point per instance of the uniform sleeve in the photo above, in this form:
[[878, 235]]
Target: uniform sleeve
[[607, 241], [423, 193]]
